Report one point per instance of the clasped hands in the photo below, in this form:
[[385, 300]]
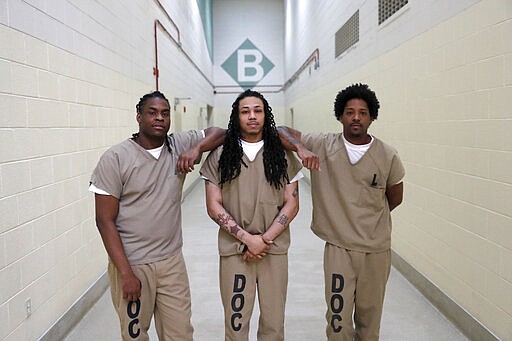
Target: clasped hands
[[257, 247]]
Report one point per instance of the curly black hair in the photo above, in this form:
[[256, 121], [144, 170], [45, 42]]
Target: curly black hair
[[360, 91], [142, 102], [274, 160]]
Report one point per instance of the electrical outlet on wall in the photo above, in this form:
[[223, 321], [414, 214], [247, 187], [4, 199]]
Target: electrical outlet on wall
[[28, 306]]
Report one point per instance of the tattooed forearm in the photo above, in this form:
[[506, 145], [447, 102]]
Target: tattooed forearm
[[227, 222], [282, 219], [286, 134], [224, 219], [233, 230]]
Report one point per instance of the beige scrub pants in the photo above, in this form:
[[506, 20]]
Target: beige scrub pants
[[165, 294], [355, 283], [239, 281]]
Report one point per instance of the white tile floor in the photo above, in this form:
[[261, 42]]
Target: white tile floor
[[407, 314]]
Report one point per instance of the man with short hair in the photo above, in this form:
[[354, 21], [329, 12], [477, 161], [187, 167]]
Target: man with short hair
[[359, 184], [138, 187]]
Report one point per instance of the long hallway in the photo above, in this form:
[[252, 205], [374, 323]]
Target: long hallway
[[407, 314]]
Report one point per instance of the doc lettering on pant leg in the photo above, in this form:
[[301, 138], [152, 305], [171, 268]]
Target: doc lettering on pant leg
[[133, 310], [237, 301], [336, 303]]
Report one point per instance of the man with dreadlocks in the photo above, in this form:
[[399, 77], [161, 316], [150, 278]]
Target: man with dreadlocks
[[138, 187], [252, 193], [359, 185]]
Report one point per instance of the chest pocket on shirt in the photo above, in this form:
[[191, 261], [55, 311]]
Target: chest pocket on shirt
[[372, 198], [271, 196], [174, 181], [173, 170]]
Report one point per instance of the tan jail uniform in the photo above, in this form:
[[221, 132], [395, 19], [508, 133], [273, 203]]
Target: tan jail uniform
[[149, 224], [351, 213], [254, 204]]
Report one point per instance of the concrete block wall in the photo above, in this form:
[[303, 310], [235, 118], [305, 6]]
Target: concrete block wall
[[72, 72], [444, 94]]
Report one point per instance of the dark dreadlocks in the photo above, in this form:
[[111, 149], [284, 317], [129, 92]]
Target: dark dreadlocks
[[142, 102], [274, 160]]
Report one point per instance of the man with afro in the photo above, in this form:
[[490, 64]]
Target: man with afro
[[358, 185]]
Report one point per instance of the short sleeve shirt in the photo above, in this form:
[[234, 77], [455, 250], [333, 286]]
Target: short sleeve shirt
[[149, 192], [250, 200], [350, 206]]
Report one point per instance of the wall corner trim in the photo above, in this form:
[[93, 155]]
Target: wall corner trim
[[463, 320], [76, 312]]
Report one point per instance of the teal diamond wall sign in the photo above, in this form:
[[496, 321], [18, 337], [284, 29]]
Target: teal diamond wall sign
[[247, 65]]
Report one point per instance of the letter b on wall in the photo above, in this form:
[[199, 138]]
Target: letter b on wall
[[247, 65]]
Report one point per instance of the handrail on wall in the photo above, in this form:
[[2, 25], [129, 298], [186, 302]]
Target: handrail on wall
[[314, 57], [162, 8], [157, 24]]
